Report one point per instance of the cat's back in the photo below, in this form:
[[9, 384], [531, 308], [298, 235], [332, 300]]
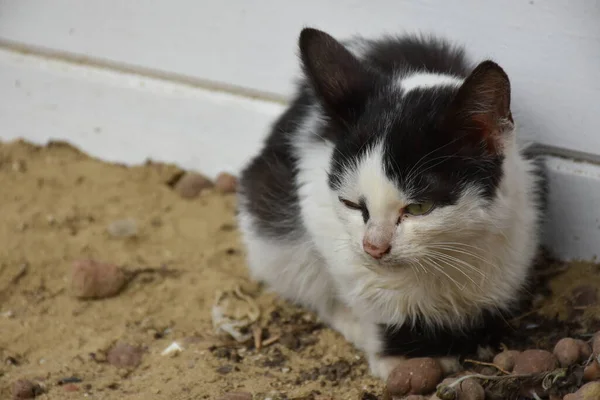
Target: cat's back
[[268, 198]]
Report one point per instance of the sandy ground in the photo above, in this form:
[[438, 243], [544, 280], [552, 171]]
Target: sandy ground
[[56, 206]]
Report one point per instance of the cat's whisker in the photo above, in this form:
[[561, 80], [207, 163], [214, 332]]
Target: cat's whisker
[[441, 270], [449, 263], [465, 252], [449, 253], [456, 259], [422, 267]]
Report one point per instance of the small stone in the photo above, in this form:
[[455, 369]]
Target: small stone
[[567, 351], [414, 376], [71, 387], [535, 361], [585, 349], [191, 184], [226, 183], [124, 355], [123, 228], [92, 279], [592, 372], [589, 391], [25, 389], [506, 359], [470, 389], [225, 369], [236, 396]]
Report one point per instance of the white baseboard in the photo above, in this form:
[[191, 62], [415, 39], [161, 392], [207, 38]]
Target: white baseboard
[[127, 118]]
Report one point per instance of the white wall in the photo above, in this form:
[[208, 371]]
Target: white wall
[[202, 76], [551, 48]]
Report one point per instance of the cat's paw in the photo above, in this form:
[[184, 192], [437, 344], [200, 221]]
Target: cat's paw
[[343, 320], [382, 366]]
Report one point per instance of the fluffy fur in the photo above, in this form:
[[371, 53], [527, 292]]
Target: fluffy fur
[[377, 125]]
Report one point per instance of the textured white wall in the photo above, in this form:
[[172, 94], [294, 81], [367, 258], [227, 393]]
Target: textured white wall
[[550, 48]]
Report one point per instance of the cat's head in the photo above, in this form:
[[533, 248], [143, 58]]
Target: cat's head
[[418, 158]]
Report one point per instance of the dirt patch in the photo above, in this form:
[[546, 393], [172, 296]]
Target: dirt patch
[[60, 207]]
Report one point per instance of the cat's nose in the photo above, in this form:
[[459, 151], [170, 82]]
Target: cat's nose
[[376, 251]]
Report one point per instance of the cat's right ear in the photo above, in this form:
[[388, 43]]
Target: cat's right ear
[[338, 78]]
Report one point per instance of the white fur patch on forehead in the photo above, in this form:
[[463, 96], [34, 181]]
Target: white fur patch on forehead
[[371, 182], [423, 80]]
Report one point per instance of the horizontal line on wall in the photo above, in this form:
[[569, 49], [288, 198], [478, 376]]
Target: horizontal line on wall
[[73, 58], [559, 152]]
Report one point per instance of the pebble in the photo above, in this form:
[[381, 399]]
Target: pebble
[[71, 387], [469, 389], [93, 279], [506, 359], [414, 376], [25, 389], [124, 355], [123, 228], [592, 371], [535, 361], [226, 183], [568, 351], [191, 184], [236, 396], [589, 391]]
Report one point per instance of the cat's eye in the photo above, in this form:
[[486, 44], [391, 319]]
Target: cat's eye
[[350, 204], [419, 208]]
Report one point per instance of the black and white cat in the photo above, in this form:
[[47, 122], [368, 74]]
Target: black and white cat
[[392, 198]]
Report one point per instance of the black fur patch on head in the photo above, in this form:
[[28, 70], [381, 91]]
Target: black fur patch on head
[[417, 53], [436, 141], [431, 160], [427, 158]]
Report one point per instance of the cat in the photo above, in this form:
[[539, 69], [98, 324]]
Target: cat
[[393, 199]]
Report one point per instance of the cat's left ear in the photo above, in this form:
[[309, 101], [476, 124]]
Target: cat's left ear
[[340, 80], [481, 108]]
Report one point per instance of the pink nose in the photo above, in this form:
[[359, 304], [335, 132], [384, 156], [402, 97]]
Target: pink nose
[[376, 251]]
